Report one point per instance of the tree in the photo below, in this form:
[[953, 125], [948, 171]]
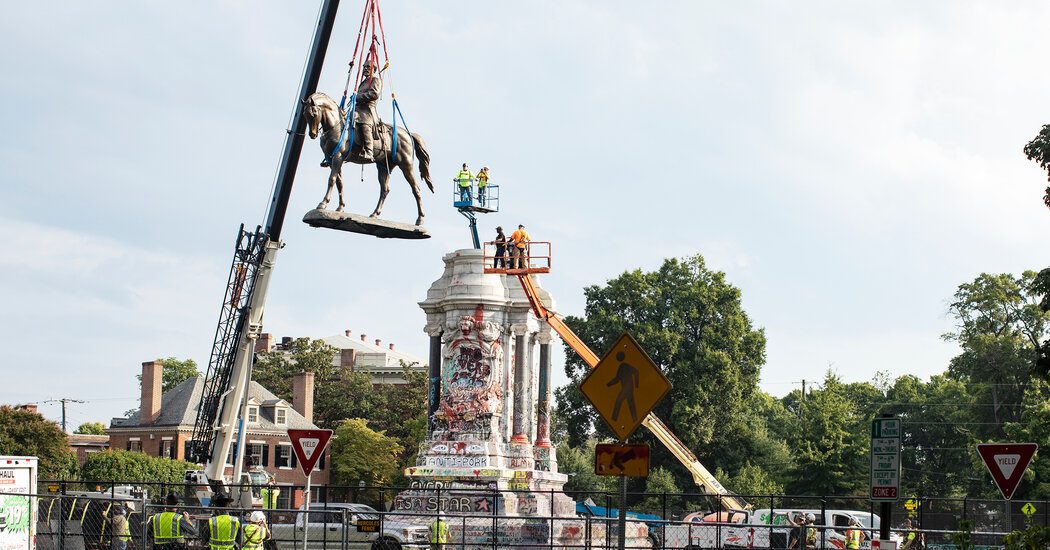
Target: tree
[[275, 369], [1039, 150], [24, 433], [360, 453], [690, 321], [117, 466], [660, 482], [91, 428], [578, 464]]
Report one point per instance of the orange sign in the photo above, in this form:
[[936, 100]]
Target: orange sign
[[613, 459], [625, 386]]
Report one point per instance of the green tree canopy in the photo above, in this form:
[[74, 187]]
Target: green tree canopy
[[1039, 150], [91, 428], [24, 433], [360, 453], [120, 466], [691, 322]]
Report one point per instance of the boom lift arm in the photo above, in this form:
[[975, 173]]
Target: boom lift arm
[[240, 319], [701, 476]]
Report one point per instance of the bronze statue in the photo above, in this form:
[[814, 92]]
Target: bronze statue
[[324, 116]]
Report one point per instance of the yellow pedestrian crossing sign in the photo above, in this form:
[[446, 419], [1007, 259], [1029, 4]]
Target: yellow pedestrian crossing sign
[[1028, 509], [625, 386]]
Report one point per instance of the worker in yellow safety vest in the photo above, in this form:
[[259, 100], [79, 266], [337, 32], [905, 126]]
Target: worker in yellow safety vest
[[168, 530], [254, 534], [269, 495], [483, 182], [518, 255], [439, 533], [464, 179], [854, 535], [223, 528]]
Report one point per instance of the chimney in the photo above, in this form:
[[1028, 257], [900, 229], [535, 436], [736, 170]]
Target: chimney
[[364, 337], [347, 358], [348, 333], [379, 342], [28, 407], [303, 395], [265, 343], [391, 345], [149, 404], [286, 342]]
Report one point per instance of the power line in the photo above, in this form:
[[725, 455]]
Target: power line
[[64, 400]]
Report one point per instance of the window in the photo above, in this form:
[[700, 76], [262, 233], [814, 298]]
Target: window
[[135, 445], [280, 416], [284, 499], [167, 449], [258, 454], [253, 415], [282, 456]]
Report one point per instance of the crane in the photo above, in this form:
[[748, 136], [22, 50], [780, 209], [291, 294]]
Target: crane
[[240, 318], [701, 475]]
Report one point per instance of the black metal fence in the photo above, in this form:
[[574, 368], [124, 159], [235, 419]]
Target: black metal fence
[[80, 515]]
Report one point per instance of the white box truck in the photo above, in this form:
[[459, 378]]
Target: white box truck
[[17, 505]]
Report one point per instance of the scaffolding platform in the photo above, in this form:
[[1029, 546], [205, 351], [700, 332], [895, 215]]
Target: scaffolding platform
[[537, 259], [356, 223]]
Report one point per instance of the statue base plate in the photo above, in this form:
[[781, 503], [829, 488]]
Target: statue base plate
[[356, 223]]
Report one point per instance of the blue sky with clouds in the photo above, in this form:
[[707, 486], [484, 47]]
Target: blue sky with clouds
[[846, 164]]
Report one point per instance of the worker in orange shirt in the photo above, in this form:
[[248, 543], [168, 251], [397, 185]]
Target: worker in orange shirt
[[520, 241]]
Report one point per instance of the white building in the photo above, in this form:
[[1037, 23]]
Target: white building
[[360, 354]]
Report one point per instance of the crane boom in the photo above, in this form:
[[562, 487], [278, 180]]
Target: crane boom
[[701, 476]]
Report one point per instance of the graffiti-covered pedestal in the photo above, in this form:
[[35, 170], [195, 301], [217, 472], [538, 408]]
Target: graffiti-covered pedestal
[[488, 449]]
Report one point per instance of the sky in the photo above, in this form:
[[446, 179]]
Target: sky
[[846, 164]]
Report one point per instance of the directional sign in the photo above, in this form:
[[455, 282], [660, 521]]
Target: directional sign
[[625, 386], [631, 460], [309, 446], [885, 458], [1007, 463]]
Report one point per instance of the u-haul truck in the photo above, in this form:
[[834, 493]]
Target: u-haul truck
[[17, 506]]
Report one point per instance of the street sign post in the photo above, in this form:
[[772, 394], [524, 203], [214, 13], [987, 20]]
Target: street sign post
[[629, 460], [625, 386], [885, 459], [1007, 463], [308, 446]]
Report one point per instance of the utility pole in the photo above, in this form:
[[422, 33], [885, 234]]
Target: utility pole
[[64, 400]]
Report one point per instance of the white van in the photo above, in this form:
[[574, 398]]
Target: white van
[[761, 528]]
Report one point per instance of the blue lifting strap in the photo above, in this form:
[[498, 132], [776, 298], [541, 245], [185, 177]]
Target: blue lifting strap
[[393, 147], [348, 128]]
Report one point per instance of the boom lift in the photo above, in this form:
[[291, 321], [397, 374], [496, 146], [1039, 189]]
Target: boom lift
[[701, 475], [240, 318]]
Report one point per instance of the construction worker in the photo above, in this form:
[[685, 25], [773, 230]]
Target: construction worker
[[168, 530], [464, 179], [854, 535], [500, 260], [483, 182], [796, 521], [254, 533], [520, 240], [811, 530], [223, 528], [365, 117], [913, 540], [439, 533], [120, 533], [269, 495]]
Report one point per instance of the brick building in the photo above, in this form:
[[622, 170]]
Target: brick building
[[382, 362], [84, 444], [164, 426]]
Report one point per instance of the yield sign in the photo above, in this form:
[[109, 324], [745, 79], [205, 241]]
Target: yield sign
[[309, 446], [1007, 463]]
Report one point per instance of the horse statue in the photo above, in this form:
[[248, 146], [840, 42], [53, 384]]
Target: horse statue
[[322, 111]]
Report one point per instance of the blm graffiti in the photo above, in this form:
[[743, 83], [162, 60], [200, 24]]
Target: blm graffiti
[[472, 355]]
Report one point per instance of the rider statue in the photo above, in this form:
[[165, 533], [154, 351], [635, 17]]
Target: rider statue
[[365, 117]]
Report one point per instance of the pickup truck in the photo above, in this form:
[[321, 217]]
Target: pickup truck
[[357, 525]]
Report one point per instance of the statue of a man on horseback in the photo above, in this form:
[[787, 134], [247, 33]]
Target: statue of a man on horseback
[[373, 142]]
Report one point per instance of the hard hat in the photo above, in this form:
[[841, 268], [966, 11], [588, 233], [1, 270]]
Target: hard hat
[[811, 517], [257, 517], [172, 498]]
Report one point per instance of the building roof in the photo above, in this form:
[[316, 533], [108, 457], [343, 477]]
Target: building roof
[[88, 440], [178, 409], [341, 341]]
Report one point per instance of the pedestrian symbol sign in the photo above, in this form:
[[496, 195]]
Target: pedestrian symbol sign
[[625, 386], [1028, 509]]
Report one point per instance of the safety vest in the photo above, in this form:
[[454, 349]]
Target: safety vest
[[269, 497], [483, 179], [853, 538], [811, 535], [463, 178], [254, 536], [222, 531], [439, 532], [167, 527]]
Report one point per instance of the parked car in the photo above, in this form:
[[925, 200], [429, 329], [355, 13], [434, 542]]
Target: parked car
[[359, 525]]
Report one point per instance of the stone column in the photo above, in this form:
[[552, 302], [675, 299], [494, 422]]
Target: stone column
[[519, 385], [543, 428], [434, 375]]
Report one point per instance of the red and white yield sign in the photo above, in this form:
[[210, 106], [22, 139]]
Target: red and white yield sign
[[309, 446], [1007, 463]]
